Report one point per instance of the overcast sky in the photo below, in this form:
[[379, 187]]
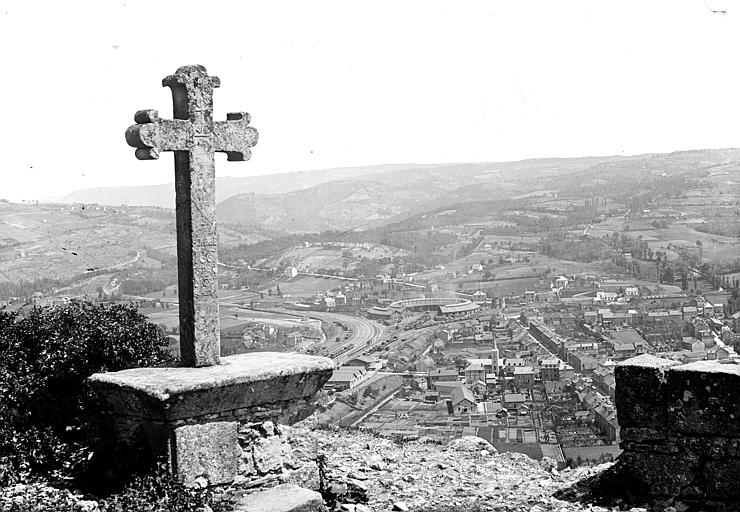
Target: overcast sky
[[332, 84]]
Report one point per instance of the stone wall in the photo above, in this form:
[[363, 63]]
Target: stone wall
[[199, 419], [680, 428]]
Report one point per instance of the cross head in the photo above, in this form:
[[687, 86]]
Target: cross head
[[194, 137]]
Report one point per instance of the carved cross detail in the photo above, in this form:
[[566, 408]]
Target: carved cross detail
[[194, 138]]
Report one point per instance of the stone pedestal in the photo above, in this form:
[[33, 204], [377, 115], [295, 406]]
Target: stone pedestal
[[680, 429], [192, 416]]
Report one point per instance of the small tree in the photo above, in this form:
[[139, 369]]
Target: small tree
[[460, 362]]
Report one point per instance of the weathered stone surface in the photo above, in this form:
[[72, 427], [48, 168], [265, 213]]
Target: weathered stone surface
[[154, 407], [722, 479], [271, 453], [194, 138], [710, 447], [704, 397], [680, 435], [241, 381], [471, 444], [208, 450], [661, 474], [643, 435], [283, 498], [640, 394]]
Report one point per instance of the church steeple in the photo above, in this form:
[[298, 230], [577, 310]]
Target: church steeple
[[495, 360]]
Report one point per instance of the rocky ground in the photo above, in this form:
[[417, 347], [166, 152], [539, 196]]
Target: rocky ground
[[360, 472]]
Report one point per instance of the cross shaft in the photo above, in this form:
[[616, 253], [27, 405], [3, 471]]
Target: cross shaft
[[194, 137]]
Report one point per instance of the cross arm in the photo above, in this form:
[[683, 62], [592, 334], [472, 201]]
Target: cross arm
[[151, 135], [234, 136]]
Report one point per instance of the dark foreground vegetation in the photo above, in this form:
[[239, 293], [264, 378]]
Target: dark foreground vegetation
[[51, 433]]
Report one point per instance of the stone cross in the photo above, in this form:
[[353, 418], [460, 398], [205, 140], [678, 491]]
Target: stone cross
[[194, 138]]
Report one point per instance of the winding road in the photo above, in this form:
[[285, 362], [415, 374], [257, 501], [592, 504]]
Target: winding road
[[364, 332]]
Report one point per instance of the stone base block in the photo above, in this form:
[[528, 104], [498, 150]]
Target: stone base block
[[283, 498], [209, 450], [191, 416], [660, 474], [640, 391], [704, 396], [680, 430]]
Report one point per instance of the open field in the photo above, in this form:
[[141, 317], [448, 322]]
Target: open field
[[307, 286], [680, 233], [316, 257], [63, 241]]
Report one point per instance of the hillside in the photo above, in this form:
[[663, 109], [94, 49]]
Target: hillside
[[63, 241], [164, 195], [71, 243], [371, 200], [354, 197]]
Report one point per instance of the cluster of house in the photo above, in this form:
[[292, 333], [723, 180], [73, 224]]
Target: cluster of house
[[616, 333], [595, 358], [251, 336], [605, 414], [613, 317], [353, 372], [516, 371], [464, 334], [347, 377], [462, 395]]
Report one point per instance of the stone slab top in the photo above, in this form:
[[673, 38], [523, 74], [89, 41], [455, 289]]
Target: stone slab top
[[649, 361], [161, 383], [709, 367]]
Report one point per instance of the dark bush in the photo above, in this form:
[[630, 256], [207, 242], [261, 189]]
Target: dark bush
[[155, 492], [46, 410], [159, 492]]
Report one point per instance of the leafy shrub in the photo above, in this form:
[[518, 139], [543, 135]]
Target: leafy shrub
[[159, 492], [37, 497], [155, 492], [46, 410]]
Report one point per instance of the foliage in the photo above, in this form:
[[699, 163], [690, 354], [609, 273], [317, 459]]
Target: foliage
[[25, 288], [575, 250], [155, 492], [47, 410], [422, 244], [143, 283], [159, 492], [37, 497], [723, 227]]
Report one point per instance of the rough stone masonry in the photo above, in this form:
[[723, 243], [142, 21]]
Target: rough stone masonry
[[192, 415], [680, 429]]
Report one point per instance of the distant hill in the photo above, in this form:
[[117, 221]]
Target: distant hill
[[356, 197], [377, 198], [164, 195], [369, 200]]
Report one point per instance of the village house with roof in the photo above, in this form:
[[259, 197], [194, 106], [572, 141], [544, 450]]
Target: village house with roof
[[462, 401]]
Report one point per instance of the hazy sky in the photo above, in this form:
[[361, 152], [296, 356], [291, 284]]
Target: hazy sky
[[343, 83]]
